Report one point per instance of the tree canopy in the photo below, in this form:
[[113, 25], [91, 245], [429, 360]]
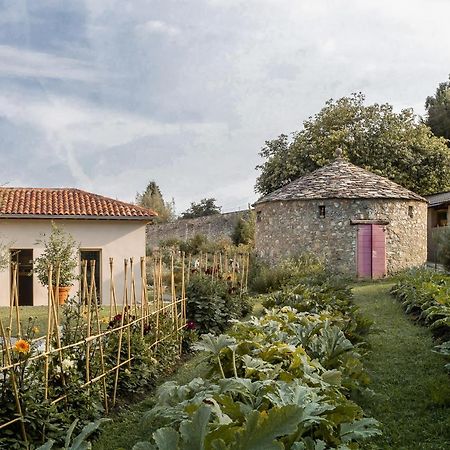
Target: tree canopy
[[153, 199], [205, 207], [438, 111], [393, 145]]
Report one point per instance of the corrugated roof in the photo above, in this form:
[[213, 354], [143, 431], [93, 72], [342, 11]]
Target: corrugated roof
[[438, 199], [340, 179], [66, 202]]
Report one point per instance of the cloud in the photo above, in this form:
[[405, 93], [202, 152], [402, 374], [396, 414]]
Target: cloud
[[23, 63], [158, 27]]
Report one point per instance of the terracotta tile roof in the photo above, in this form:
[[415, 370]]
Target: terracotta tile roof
[[340, 179], [63, 202], [438, 199]]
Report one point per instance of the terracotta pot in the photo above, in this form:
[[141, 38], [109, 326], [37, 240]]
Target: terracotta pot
[[62, 294]]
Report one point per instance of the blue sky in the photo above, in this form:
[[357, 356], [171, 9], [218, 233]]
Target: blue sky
[[107, 95]]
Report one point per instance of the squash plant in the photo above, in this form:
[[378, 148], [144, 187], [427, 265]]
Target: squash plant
[[281, 381]]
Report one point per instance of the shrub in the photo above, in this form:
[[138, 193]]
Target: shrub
[[210, 305], [289, 272]]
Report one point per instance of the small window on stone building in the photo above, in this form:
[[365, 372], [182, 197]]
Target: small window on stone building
[[410, 211], [322, 211], [258, 216]]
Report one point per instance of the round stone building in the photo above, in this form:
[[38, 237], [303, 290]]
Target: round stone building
[[360, 223]]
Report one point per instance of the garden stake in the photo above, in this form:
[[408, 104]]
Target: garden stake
[[112, 291], [15, 387], [133, 302], [16, 304], [47, 341], [144, 294], [99, 332], [88, 332], [127, 311], [189, 268]]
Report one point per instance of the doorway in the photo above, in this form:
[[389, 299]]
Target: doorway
[[92, 255], [371, 251], [24, 260]]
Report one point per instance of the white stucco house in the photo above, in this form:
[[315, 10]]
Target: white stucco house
[[102, 226]]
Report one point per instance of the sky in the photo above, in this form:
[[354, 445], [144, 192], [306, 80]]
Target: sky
[[107, 95]]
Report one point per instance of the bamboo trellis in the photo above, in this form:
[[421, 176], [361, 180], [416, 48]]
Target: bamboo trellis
[[135, 314], [168, 298]]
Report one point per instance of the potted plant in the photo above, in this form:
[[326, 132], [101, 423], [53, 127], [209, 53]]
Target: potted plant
[[60, 250]]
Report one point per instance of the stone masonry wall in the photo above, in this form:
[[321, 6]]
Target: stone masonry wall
[[284, 229], [215, 227]]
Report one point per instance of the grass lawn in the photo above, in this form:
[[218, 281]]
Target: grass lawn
[[411, 388], [39, 313]]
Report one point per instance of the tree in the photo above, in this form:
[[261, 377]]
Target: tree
[[206, 207], [394, 145], [438, 111], [244, 230], [153, 199]]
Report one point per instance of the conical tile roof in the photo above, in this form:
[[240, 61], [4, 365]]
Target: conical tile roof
[[340, 179]]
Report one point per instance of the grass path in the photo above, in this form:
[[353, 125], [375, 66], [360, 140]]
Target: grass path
[[411, 389]]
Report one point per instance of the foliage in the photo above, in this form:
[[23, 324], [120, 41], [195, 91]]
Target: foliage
[[212, 304], [438, 110], [441, 236], [152, 198], [205, 207], [4, 256], [426, 296], [60, 250], [374, 137], [279, 382], [79, 442], [67, 372], [289, 272], [244, 230]]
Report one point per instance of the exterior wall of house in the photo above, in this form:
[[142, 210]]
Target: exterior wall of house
[[118, 239], [284, 229]]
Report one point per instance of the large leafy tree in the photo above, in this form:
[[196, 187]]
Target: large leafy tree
[[438, 111], [205, 207], [153, 199], [394, 145]]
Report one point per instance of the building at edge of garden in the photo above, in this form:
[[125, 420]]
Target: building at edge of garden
[[360, 223], [103, 227]]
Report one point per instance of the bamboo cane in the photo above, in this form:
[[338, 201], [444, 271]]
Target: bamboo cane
[[143, 294], [49, 321], [99, 330], [133, 302], [112, 290], [14, 384], [128, 308]]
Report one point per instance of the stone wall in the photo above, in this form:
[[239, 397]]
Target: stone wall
[[284, 229], [215, 227]]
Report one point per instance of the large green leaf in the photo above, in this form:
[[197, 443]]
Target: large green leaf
[[214, 344], [262, 429], [166, 439], [360, 429], [145, 446], [194, 431]]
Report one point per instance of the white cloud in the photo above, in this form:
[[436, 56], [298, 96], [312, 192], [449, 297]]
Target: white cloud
[[158, 27], [23, 63]]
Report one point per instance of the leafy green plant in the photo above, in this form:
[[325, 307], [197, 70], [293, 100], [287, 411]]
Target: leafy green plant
[[279, 381], [60, 250], [78, 442], [425, 295], [211, 304]]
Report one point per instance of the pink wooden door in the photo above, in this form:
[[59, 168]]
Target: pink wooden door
[[378, 252], [371, 251]]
